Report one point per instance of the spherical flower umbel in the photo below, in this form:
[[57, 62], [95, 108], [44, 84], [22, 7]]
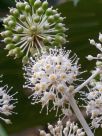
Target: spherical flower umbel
[[70, 129], [94, 103], [50, 77], [7, 103], [30, 26]]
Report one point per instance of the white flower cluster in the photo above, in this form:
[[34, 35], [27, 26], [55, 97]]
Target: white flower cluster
[[7, 103], [30, 26], [51, 76], [99, 47], [94, 104], [71, 129]]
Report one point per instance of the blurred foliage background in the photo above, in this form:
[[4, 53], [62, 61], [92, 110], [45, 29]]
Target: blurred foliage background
[[84, 21]]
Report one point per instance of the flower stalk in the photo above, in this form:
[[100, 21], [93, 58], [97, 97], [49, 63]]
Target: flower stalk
[[80, 116], [87, 81]]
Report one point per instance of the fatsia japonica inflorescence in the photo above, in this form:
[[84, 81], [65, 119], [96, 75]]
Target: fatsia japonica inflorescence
[[94, 105], [51, 73], [7, 103], [31, 26], [51, 77]]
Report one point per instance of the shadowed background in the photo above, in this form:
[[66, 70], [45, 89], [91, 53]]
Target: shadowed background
[[84, 21]]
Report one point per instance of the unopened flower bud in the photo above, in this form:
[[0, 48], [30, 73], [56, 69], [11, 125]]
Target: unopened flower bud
[[16, 12], [8, 40], [22, 17], [19, 29], [92, 42], [49, 11], [11, 23], [100, 37], [37, 4], [51, 19], [25, 59], [20, 5], [45, 5], [16, 38], [9, 46], [27, 8], [89, 57]]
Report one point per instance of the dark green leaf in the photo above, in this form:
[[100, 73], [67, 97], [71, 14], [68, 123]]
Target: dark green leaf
[[2, 131]]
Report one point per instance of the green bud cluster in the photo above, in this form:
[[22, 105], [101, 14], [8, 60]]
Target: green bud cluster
[[30, 25]]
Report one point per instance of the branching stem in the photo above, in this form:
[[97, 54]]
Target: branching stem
[[80, 116], [87, 81]]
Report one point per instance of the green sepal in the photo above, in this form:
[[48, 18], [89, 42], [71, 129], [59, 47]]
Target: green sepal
[[8, 40], [25, 60], [45, 5], [37, 4], [9, 46]]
